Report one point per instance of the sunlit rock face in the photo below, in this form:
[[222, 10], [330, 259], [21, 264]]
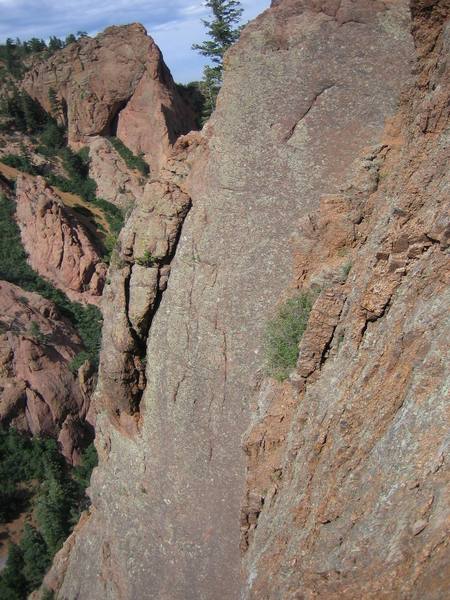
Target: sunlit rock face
[[315, 172], [39, 394], [113, 84]]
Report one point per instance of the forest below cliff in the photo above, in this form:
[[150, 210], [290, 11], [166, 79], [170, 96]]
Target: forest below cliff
[[241, 287]]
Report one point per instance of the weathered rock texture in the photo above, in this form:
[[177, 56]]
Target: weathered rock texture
[[116, 183], [138, 279], [348, 467], [307, 90], [114, 84], [38, 392], [58, 245]]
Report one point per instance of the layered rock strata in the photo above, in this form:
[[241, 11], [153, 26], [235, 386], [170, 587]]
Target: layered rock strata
[[307, 88], [348, 477]]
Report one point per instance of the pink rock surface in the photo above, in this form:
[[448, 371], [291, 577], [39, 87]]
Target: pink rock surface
[[116, 183], [115, 83], [38, 392], [58, 245]]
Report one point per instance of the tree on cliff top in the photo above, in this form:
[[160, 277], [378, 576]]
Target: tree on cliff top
[[222, 32]]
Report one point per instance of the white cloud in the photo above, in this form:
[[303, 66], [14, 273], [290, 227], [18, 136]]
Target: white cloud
[[175, 24]]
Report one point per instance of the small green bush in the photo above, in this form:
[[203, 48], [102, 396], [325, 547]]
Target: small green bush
[[79, 360], [283, 334], [346, 270], [36, 333], [146, 260], [132, 161]]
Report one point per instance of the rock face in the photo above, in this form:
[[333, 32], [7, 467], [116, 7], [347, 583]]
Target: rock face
[[116, 183], [348, 477], [309, 89], [38, 392], [114, 84], [138, 279], [59, 247]]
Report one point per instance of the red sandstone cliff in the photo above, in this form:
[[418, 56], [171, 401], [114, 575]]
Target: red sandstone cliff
[[38, 392], [114, 84], [308, 176], [60, 248]]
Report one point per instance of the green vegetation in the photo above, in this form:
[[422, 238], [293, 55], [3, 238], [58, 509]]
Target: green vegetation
[[346, 270], [147, 260], [193, 95], [132, 161], [15, 269], [82, 473], [34, 478], [38, 479], [36, 333], [283, 334], [22, 113], [222, 33], [76, 165], [14, 53], [22, 162], [52, 139], [78, 361]]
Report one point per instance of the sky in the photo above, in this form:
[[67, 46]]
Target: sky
[[174, 24]]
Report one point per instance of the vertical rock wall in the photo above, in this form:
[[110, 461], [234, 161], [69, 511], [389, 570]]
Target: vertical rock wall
[[348, 478], [308, 87]]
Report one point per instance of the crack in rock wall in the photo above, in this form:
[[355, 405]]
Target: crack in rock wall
[[348, 480], [167, 494]]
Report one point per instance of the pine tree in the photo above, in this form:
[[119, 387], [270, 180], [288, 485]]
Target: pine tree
[[35, 556], [52, 512], [70, 39], [55, 44], [222, 32], [13, 583]]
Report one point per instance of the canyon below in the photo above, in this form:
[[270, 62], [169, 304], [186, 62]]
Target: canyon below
[[321, 183]]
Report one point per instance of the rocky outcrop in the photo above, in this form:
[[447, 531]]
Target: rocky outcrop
[[116, 183], [115, 83], [348, 478], [38, 392], [58, 245], [138, 279], [306, 91]]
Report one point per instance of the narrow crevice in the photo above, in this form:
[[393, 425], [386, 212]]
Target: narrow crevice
[[141, 338], [165, 261], [305, 113], [110, 129]]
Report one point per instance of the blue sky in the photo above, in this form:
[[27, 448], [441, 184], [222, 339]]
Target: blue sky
[[174, 24]]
